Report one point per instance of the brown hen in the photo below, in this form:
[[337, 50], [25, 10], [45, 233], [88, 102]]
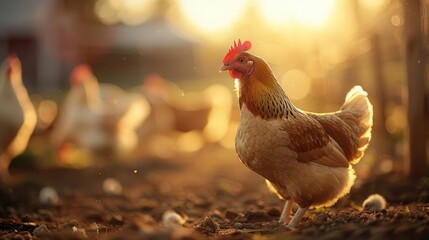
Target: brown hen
[[305, 157]]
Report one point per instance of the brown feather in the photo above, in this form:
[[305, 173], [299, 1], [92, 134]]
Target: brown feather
[[312, 143], [342, 133]]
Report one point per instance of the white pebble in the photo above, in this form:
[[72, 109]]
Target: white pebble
[[80, 231], [374, 202], [48, 195], [172, 219], [112, 186]]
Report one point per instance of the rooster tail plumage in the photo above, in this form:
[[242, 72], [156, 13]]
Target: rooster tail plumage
[[358, 104]]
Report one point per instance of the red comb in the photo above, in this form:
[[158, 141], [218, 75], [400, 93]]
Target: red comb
[[80, 73], [235, 49]]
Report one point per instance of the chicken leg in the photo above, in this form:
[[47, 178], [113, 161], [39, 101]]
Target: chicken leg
[[5, 160], [285, 216], [297, 217]]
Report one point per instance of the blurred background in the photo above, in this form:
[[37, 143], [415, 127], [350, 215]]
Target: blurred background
[[168, 53]]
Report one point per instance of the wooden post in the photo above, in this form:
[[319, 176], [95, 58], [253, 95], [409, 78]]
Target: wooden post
[[416, 165], [380, 105]]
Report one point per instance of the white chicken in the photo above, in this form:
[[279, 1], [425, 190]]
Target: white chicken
[[100, 118], [17, 115]]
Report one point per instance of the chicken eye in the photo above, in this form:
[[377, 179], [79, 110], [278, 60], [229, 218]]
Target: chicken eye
[[241, 60]]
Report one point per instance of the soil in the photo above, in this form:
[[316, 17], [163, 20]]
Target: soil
[[215, 195]]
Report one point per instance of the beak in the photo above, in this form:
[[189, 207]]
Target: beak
[[224, 67]]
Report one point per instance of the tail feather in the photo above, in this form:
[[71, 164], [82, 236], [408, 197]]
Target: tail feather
[[358, 104]]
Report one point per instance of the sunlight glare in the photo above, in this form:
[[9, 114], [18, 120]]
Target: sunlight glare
[[212, 16], [373, 4], [313, 13]]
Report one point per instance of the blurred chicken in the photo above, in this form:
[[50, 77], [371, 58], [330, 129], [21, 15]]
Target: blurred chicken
[[305, 157], [207, 111], [161, 118], [189, 119], [99, 118], [17, 114]]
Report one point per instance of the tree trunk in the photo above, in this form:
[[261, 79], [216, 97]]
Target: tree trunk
[[415, 164]]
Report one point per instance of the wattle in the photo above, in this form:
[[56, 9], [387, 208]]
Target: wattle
[[235, 74]]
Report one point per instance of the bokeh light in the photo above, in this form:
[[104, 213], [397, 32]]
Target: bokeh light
[[212, 17], [373, 4], [396, 121], [129, 12], [190, 142], [396, 20], [309, 12], [296, 84]]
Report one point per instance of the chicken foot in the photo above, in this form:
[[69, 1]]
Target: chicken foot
[[285, 216], [297, 217]]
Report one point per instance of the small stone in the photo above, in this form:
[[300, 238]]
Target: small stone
[[112, 186], [374, 202], [207, 226], [41, 231], [48, 196], [79, 232], [172, 219], [238, 225]]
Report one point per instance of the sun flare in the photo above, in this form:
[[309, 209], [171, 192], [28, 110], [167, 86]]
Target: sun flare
[[313, 13], [212, 16]]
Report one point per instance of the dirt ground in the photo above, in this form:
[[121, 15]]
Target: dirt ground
[[216, 196]]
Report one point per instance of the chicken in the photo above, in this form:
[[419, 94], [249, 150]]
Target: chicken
[[17, 115], [99, 118], [161, 118], [305, 157], [168, 125]]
